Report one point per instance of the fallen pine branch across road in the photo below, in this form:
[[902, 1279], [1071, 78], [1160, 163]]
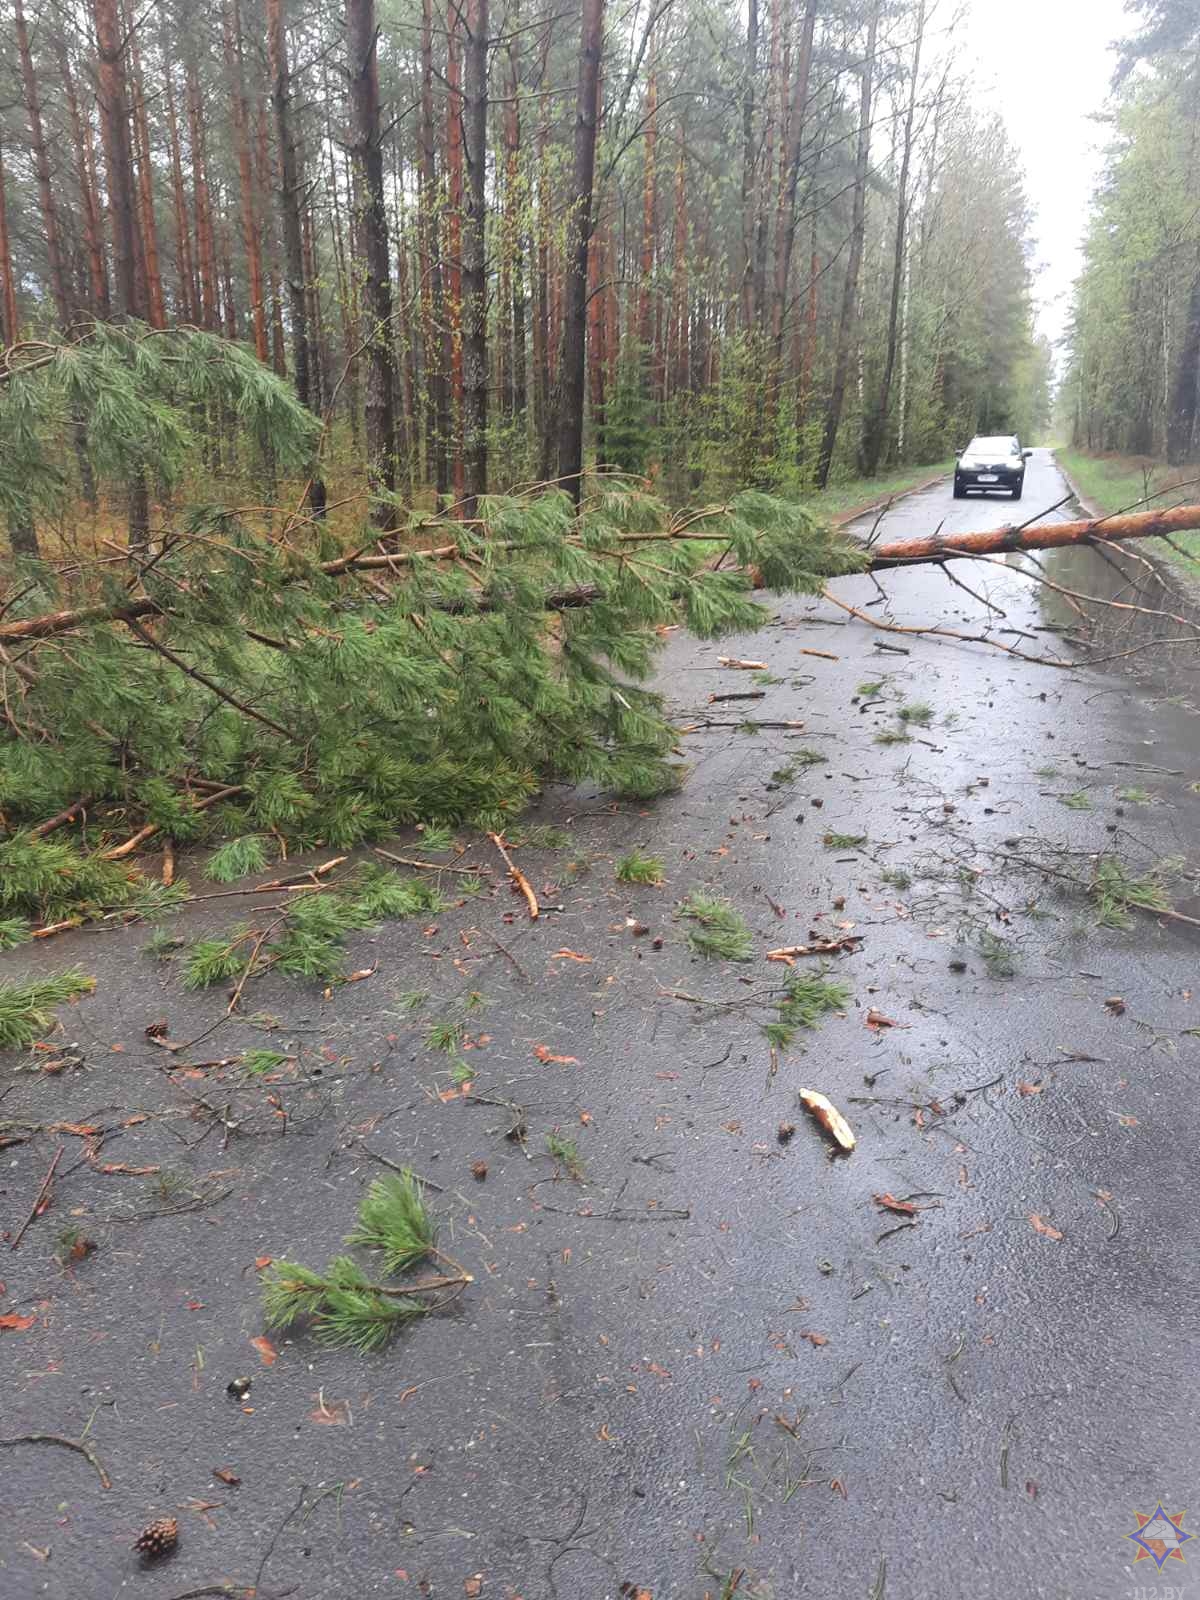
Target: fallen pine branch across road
[[931, 549], [1034, 536]]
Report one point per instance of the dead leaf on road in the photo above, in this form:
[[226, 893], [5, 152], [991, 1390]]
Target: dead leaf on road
[[1040, 1225], [569, 955], [473, 1587], [1026, 1089], [13, 1323], [888, 1202], [815, 1339], [876, 1020], [544, 1054], [227, 1476], [266, 1350]]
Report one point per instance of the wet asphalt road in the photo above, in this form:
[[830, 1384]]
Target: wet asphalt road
[[716, 1355]]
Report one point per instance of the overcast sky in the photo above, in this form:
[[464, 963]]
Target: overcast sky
[[1047, 65]]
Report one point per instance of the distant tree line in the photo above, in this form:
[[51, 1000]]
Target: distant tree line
[[724, 243], [1133, 382]]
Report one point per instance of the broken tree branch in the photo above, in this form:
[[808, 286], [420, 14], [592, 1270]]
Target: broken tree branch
[[518, 877]]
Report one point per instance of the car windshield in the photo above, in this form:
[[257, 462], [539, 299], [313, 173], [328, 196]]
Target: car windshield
[[987, 447]]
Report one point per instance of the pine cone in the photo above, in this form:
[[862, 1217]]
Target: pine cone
[[158, 1539]]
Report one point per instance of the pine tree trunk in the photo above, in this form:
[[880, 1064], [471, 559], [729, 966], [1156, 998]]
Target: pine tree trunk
[[454, 207], [231, 27], [645, 321], [41, 167], [437, 418], [745, 284], [513, 192], [371, 237], [876, 419], [547, 443], [93, 230], [206, 248], [573, 361], [1185, 389], [9, 322], [474, 345], [114, 125], [842, 352], [289, 207], [156, 311], [785, 223], [188, 302]]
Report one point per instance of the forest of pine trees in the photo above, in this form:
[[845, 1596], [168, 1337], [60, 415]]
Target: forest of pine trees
[[495, 242], [1133, 385]]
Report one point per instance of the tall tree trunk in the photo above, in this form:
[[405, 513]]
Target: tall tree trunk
[[573, 361], [876, 420], [114, 126], [543, 356], [785, 222], [749, 168], [1185, 389], [231, 28], [454, 207], [41, 167], [9, 323], [293, 240], [513, 195], [206, 245], [645, 321], [762, 227], [93, 229], [188, 303], [841, 359], [474, 346], [437, 423], [371, 236], [156, 311], [679, 286]]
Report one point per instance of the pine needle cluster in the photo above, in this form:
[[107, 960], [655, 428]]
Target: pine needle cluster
[[807, 997], [637, 867], [718, 930], [343, 1305], [308, 940], [27, 1009]]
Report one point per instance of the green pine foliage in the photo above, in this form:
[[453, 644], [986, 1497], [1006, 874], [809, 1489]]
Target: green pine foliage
[[27, 1009], [335, 705], [718, 930], [308, 940], [237, 859], [807, 997], [342, 1305], [393, 1219], [637, 867]]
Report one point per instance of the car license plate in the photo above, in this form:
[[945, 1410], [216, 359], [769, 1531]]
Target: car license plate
[[989, 477]]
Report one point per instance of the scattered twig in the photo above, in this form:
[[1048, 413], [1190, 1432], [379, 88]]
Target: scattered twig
[[517, 876], [39, 1205], [426, 866], [822, 947], [80, 1447]]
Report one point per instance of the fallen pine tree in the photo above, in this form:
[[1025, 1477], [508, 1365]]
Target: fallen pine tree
[[231, 677]]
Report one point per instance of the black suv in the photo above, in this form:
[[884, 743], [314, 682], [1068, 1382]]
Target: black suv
[[991, 464]]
